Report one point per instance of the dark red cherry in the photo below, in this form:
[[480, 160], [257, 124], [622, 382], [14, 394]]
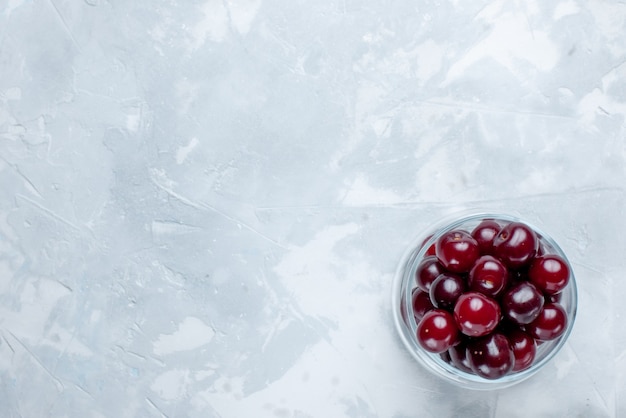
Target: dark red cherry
[[427, 271], [476, 314], [458, 357], [524, 349], [488, 276], [550, 324], [421, 303], [554, 298], [550, 273], [505, 326], [445, 290], [431, 249], [516, 245], [517, 276], [522, 303], [484, 233], [437, 332], [457, 251], [491, 356]]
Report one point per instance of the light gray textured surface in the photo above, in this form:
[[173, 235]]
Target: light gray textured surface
[[203, 203]]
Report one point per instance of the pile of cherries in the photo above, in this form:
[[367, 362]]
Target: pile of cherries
[[486, 298]]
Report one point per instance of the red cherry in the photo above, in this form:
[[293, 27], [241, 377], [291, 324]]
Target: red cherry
[[488, 276], [522, 303], [421, 303], [457, 251], [491, 356], [476, 314], [516, 244], [458, 357], [484, 233], [445, 290], [427, 271], [431, 249], [554, 298], [550, 324], [524, 349], [437, 332], [550, 273]]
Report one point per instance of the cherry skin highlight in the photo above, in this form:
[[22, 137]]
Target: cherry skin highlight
[[421, 303], [427, 271], [491, 356], [457, 251], [476, 314], [484, 234], [549, 273], [524, 349], [458, 357], [488, 276], [516, 245], [550, 324], [437, 332], [554, 298], [445, 290], [522, 303]]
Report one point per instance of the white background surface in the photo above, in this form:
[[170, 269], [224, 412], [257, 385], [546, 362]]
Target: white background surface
[[203, 203]]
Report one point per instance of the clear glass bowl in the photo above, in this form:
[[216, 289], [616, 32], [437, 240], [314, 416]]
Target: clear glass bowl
[[404, 283]]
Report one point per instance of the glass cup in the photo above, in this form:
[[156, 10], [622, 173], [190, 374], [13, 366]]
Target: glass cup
[[404, 283]]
